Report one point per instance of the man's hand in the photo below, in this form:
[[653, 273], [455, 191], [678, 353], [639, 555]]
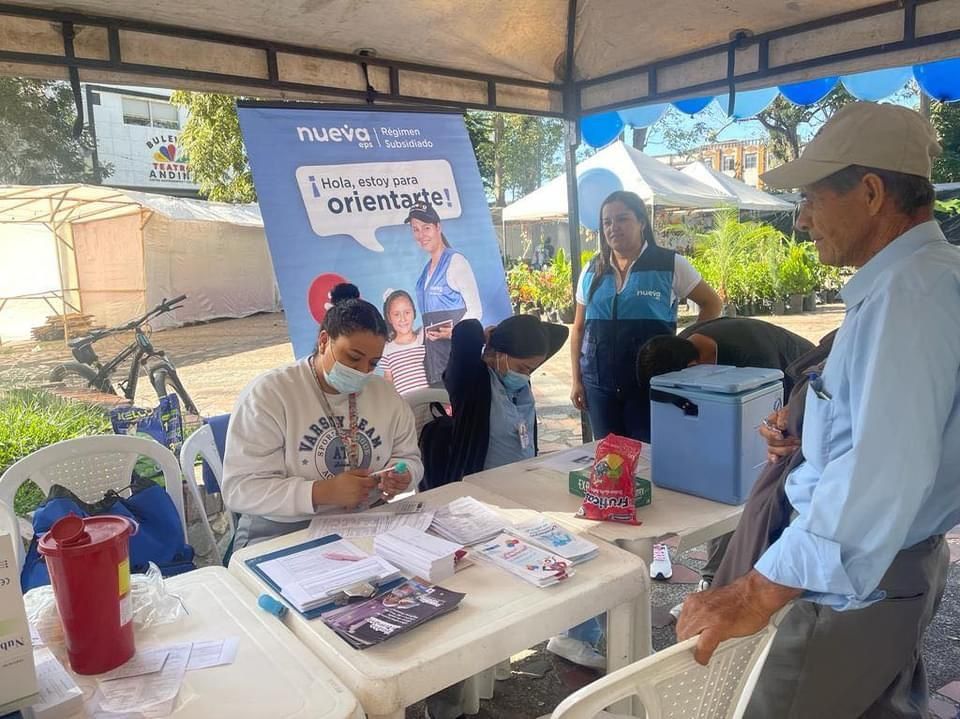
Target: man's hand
[[779, 444], [737, 610], [443, 332]]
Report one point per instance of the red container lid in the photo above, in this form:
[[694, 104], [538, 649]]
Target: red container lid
[[75, 536]]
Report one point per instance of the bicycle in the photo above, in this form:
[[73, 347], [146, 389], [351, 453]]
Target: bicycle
[[95, 374]]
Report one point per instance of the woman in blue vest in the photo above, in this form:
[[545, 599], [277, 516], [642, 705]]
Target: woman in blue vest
[[446, 291], [627, 294]]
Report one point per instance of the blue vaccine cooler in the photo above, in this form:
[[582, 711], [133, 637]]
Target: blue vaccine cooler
[[703, 422]]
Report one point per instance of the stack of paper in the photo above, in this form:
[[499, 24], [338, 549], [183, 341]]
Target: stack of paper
[[548, 535], [367, 524], [524, 560], [467, 521], [418, 553], [313, 577]]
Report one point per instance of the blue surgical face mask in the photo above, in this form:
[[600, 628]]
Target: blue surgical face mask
[[514, 381], [345, 379]]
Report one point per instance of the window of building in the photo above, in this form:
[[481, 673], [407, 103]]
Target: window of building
[[150, 113], [729, 163], [750, 161]]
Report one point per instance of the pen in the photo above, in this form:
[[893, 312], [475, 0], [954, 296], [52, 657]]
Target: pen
[[399, 468]]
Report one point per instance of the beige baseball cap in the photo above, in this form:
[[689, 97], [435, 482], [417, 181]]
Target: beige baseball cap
[[882, 136]]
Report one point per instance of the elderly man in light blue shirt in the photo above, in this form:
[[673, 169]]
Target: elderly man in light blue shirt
[[864, 554]]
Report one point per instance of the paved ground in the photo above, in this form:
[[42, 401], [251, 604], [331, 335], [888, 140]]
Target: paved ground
[[217, 359]]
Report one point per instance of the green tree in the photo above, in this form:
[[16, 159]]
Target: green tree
[[787, 122], [37, 145], [516, 153], [218, 158], [945, 117]]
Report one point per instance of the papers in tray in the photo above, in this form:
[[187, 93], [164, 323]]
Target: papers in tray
[[391, 613], [418, 553], [467, 521], [316, 575], [524, 560], [551, 537], [367, 524]]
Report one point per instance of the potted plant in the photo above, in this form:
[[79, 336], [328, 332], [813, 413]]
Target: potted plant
[[796, 277]]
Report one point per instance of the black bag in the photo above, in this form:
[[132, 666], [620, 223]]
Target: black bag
[[436, 439]]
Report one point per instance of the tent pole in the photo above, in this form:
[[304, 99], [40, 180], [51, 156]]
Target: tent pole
[[573, 230]]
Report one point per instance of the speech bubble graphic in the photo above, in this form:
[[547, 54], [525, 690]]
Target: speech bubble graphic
[[359, 198]]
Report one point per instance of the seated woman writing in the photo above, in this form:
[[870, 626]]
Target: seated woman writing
[[309, 437], [488, 379]]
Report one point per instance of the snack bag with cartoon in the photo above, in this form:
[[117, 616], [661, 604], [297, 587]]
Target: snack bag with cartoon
[[610, 494]]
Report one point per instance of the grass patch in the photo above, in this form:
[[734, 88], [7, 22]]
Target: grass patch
[[31, 419]]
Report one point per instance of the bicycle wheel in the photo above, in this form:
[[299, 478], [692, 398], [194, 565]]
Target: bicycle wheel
[[74, 375], [165, 380]]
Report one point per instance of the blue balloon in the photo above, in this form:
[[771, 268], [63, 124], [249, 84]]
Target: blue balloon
[[940, 80], [747, 103], [593, 187], [809, 92], [876, 84], [643, 116], [600, 130], [692, 105]]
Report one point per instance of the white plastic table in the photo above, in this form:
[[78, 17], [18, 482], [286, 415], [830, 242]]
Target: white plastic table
[[693, 519], [273, 675], [500, 616]]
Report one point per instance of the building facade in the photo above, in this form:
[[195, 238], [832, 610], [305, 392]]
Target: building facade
[[744, 160], [136, 134]]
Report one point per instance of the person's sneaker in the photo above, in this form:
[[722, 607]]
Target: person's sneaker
[[660, 567], [573, 650], [703, 585]]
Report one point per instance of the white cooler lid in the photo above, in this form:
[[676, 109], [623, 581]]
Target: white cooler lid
[[721, 379]]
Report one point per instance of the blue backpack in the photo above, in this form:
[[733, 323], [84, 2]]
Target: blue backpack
[[159, 538]]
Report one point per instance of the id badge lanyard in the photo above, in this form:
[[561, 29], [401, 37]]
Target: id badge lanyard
[[348, 435]]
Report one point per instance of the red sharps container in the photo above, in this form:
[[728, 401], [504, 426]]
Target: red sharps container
[[89, 563]]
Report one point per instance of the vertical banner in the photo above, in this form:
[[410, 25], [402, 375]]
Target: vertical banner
[[390, 201]]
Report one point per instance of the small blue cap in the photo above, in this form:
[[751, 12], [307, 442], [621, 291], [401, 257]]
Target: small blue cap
[[269, 604], [400, 468]]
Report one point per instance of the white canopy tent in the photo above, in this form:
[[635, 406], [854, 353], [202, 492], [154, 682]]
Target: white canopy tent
[[657, 184], [740, 193], [114, 254]]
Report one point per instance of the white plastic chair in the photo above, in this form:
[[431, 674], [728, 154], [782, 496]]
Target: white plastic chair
[[671, 685], [201, 443], [88, 467], [419, 401]]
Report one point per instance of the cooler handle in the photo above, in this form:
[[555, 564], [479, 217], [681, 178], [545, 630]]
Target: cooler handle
[[686, 406]]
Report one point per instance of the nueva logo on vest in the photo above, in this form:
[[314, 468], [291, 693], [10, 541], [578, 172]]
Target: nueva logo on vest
[[649, 293]]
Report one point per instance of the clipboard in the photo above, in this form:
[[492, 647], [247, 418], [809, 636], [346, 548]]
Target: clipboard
[[254, 564]]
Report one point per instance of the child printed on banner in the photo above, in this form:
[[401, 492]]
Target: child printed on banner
[[404, 354]]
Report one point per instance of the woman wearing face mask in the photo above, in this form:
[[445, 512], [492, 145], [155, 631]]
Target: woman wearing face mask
[[494, 415], [488, 379], [446, 290], [305, 439]]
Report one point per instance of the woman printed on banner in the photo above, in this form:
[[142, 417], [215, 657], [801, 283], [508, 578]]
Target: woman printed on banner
[[308, 437], [404, 353], [446, 290]]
